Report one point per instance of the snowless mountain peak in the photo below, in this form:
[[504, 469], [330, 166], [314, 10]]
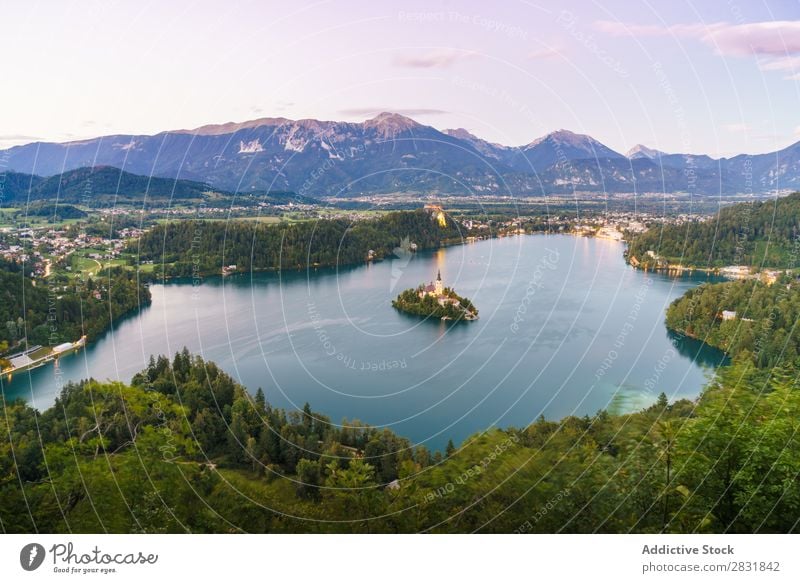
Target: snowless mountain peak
[[388, 122], [569, 145], [563, 137], [641, 151], [461, 133], [231, 126]]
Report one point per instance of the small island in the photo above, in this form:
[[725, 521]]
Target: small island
[[435, 300]]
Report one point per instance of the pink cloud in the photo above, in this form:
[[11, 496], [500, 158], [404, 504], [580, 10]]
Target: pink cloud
[[779, 38], [434, 59], [409, 111], [544, 53], [782, 64], [616, 28], [775, 43], [737, 128]]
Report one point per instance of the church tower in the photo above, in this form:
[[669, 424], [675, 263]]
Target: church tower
[[439, 285]]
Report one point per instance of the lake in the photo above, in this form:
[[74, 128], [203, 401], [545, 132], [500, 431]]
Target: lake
[[565, 328]]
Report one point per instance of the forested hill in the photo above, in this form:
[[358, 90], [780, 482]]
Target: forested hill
[[186, 247], [60, 310], [186, 449], [759, 324], [763, 234], [88, 186]]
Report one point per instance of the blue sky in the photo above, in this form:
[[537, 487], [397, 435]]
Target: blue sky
[[716, 77]]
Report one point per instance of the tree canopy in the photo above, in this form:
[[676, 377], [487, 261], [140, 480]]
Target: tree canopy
[[746, 319], [761, 234], [58, 309], [185, 448], [191, 248]]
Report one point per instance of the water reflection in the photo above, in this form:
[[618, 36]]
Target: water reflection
[[330, 336], [701, 353]]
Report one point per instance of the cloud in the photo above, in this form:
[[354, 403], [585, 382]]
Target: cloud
[[776, 39], [11, 140], [19, 137], [737, 128], [775, 44], [616, 28], [790, 66], [400, 110], [544, 54], [433, 59]]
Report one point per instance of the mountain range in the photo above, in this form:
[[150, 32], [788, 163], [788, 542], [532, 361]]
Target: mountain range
[[392, 153]]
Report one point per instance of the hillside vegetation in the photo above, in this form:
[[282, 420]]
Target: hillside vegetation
[[185, 448], [60, 310], [762, 327], [190, 247], [760, 234], [101, 184]]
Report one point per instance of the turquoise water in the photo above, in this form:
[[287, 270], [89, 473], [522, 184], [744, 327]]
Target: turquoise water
[[565, 328]]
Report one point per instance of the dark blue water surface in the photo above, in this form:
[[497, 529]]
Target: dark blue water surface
[[566, 327]]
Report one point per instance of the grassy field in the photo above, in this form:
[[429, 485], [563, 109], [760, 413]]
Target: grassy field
[[7, 215], [82, 264], [40, 221], [266, 220], [261, 219]]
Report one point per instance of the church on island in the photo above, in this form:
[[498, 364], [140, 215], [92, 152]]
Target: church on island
[[434, 300], [435, 289]]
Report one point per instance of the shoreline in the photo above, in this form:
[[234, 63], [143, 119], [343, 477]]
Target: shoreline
[[727, 273], [216, 279], [223, 272], [53, 354], [471, 239]]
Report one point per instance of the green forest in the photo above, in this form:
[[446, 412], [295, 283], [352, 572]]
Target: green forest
[[186, 449], [187, 248], [58, 309], [760, 234], [90, 186], [763, 329], [56, 212]]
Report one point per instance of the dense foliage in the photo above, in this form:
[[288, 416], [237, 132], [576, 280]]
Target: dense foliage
[[763, 328], [189, 248], [87, 186], [56, 212], [409, 301], [763, 234], [184, 448], [56, 310]]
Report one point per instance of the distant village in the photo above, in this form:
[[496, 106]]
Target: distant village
[[40, 248], [43, 248]]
